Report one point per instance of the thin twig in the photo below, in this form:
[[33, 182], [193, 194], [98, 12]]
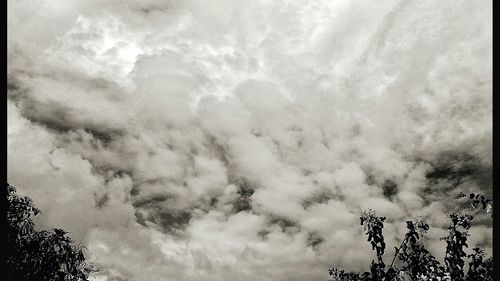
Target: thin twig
[[82, 239], [397, 251]]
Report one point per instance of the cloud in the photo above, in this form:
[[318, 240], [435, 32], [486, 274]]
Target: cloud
[[239, 141]]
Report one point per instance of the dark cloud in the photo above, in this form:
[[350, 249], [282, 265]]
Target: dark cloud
[[320, 197], [100, 201], [456, 167], [245, 192], [287, 226], [457, 171], [390, 189], [314, 239]]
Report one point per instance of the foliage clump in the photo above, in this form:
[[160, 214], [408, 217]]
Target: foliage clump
[[39, 254], [412, 261]]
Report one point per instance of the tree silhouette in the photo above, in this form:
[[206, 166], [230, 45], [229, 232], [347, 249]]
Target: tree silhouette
[[39, 254], [415, 262]]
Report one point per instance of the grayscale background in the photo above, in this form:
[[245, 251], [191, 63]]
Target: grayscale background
[[239, 140]]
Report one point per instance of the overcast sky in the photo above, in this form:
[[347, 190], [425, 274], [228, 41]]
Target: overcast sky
[[239, 140]]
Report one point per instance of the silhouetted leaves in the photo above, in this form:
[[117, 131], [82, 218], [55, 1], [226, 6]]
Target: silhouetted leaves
[[373, 229], [456, 241], [479, 267], [415, 262], [415, 259], [39, 254], [478, 200]]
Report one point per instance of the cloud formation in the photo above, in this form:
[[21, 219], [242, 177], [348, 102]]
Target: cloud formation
[[239, 140]]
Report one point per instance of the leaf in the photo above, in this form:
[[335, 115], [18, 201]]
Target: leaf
[[59, 232], [489, 208]]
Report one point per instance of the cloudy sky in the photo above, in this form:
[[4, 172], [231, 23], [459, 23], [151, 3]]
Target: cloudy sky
[[239, 140]]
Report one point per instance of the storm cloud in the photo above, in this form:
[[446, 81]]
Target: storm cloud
[[239, 140]]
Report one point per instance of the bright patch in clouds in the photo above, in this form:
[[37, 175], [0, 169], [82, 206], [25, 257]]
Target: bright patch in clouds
[[99, 47]]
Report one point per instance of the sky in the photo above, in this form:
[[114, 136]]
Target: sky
[[240, 140]]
